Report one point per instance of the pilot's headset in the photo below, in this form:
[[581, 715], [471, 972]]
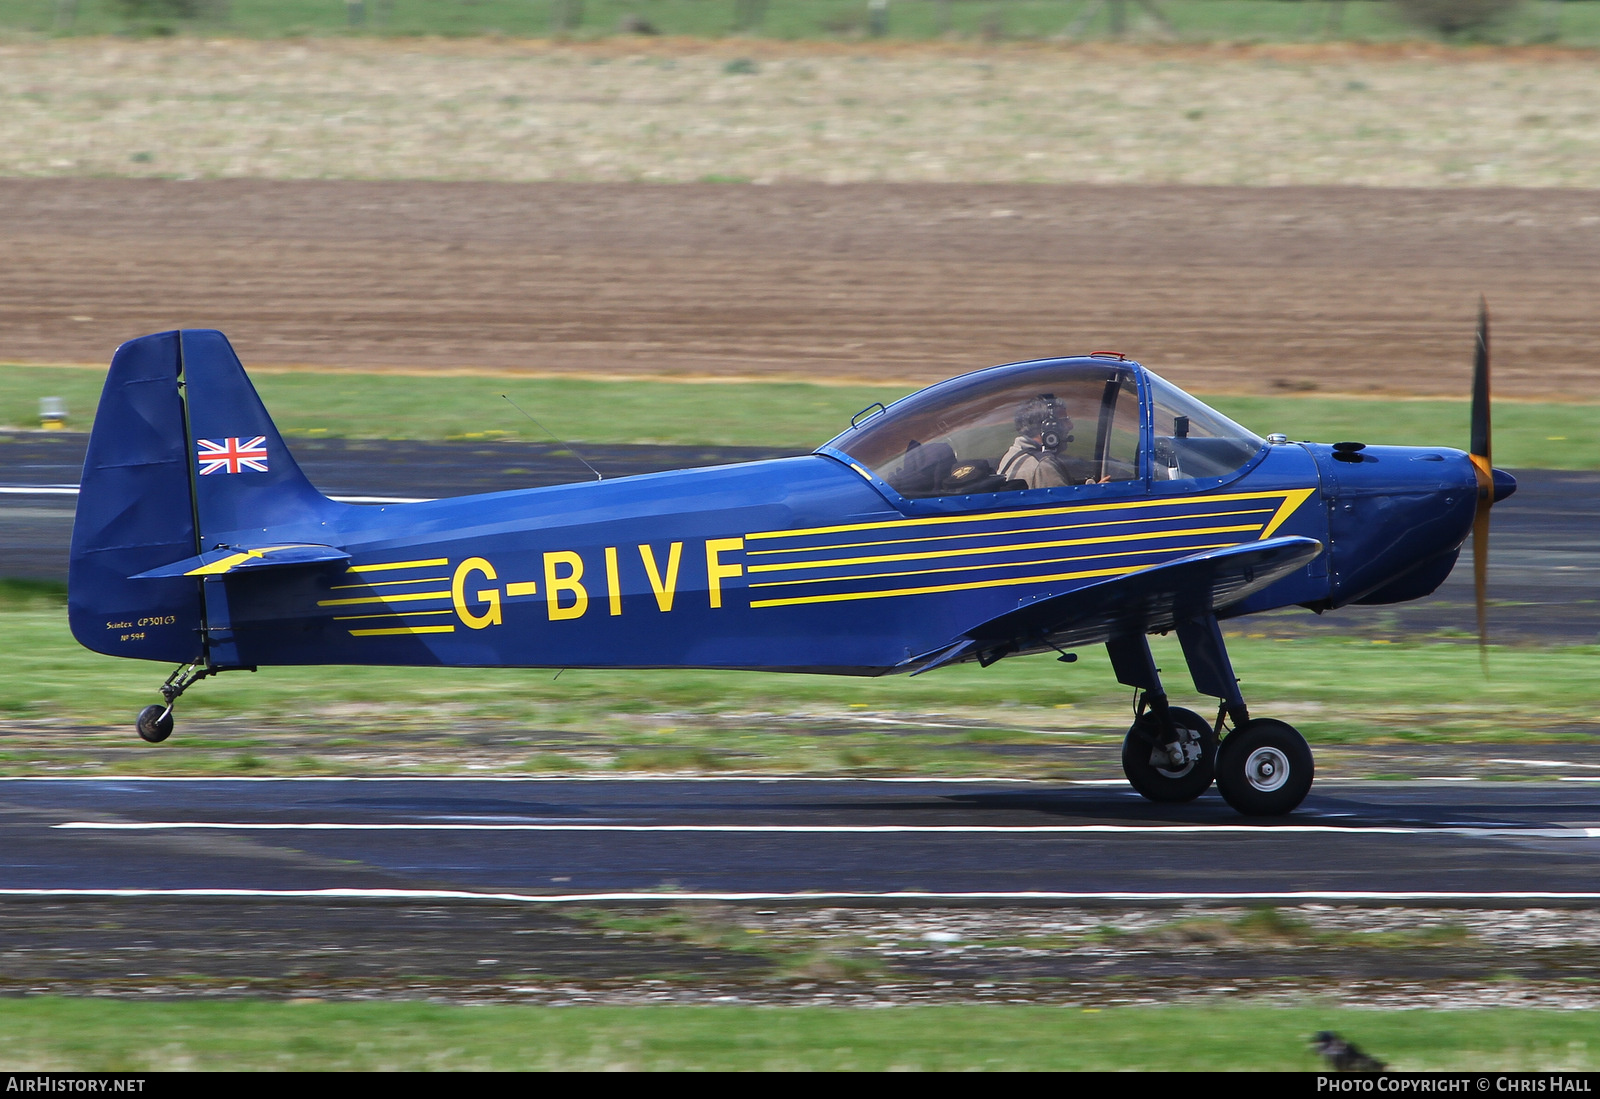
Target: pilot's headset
[[1045, 417]]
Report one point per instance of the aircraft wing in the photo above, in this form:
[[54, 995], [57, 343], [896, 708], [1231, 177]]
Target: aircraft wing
[[1147, 601], [230, 559]]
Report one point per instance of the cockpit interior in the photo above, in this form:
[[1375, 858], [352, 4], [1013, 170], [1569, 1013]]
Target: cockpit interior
[[1058, 422]]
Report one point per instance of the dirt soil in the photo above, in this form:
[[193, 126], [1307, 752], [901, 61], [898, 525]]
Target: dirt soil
[[698, 953], [1221, 289]]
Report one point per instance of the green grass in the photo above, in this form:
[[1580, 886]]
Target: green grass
[[65, 708], [110, 1036], [1526, 435], [409, 407], [801, 416], [1190, 20]]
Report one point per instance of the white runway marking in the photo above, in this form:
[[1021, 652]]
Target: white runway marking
[[844, 829], [1546, 763], [1030, 896]]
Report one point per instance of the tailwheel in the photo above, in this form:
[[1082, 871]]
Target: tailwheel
[[1264, 768], [1176, 772], [155, 723]]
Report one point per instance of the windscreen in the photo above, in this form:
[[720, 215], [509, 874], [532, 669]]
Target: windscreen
[[1192, 441], [1038, 425]]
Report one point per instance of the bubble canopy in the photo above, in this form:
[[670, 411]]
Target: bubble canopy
[[1059, 427]]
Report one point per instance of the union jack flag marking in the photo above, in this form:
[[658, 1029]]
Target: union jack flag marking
[[232, 456]]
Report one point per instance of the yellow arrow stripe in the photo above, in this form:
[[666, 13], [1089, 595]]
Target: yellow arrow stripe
[[1031, 513], [1014, 531], [1291, 501]]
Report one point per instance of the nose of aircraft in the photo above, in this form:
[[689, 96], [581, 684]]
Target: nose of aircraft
[[1504, 485], [1397, 518]]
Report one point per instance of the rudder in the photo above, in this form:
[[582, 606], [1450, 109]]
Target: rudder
[[135, 513]]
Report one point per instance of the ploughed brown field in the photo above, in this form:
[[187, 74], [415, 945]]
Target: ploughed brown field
[[1347, 290]]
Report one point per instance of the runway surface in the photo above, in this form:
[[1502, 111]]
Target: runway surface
[[608, 840], [1544, 575]]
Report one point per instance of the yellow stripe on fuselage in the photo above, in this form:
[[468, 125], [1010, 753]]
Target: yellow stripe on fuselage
[[390, 583], [1173, 511], [992, 565], [432, 562], [1029, 513], [1110, 539], [934, 588], [388, 614], [396, 631], [1012, 531], [414, 597]]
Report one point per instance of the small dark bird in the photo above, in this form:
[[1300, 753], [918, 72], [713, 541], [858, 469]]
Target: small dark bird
[[1343, 1056]]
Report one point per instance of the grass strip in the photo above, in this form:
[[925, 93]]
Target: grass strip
[[395, 406], [799, 415], [1192, 20], [49, 1033]]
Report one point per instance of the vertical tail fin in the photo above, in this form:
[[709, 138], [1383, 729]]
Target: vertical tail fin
[[183, 457], [244, 478]]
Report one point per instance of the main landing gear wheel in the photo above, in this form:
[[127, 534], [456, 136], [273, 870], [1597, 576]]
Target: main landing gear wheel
[[1150, 766], [155, 723], [1264, 768]]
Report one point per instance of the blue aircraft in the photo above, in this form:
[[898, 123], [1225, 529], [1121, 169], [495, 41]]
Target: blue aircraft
[[1027, 508]]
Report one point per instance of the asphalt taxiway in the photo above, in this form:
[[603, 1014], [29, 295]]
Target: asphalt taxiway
[[554, 840]]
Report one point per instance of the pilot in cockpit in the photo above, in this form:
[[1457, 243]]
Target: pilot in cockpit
[[1043, 431]]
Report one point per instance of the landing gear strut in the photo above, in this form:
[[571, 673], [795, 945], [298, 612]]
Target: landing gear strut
[[1262, 767]]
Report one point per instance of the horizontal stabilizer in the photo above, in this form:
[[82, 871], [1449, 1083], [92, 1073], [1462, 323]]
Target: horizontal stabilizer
[[1146, 601], [231, 559]]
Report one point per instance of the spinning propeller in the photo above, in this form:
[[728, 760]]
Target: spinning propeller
[[1484, 469]]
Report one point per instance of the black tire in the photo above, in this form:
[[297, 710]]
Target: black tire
[[1264, 768], [154, 724], [1159, 782]]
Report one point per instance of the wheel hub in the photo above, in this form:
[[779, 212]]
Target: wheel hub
[[1266, 769], [1176, 759]]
